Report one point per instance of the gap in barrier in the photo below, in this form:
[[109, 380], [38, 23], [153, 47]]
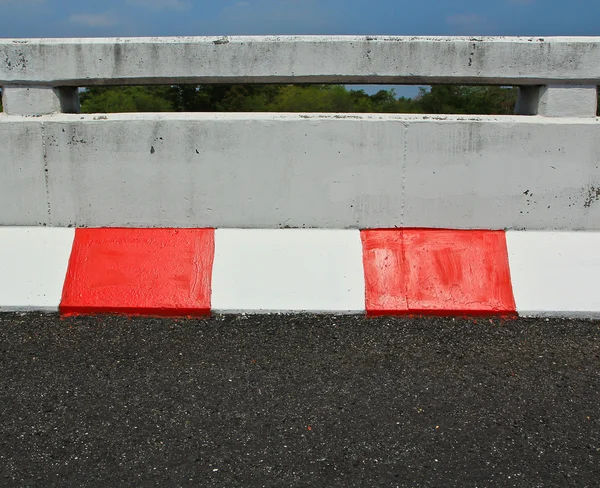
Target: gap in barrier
[[299, 98], [295, 98]]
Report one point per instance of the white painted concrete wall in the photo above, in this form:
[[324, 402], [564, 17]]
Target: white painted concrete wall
[[322, 171]]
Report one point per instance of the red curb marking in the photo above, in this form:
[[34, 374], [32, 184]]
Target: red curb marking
[[385, 283], [157, 272], [441, 272]]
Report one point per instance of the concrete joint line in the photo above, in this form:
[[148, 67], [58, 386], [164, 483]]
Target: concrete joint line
[[46, 172], [404, 165]]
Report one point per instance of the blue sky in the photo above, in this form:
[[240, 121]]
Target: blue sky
[[75, 18]]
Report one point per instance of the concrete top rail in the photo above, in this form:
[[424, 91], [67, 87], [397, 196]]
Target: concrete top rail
[[301, 59]]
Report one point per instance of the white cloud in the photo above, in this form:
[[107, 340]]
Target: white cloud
[[162, 4], [94, 20]]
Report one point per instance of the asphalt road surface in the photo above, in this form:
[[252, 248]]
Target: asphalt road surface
[[298, 401]]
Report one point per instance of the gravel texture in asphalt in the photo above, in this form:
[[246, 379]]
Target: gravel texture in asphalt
[[298, 401]]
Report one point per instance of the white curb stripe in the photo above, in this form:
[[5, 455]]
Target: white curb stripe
[[288, 270], [555, 273], [33, 265]]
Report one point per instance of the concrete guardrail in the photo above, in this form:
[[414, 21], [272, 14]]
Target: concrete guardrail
[[538, 169]]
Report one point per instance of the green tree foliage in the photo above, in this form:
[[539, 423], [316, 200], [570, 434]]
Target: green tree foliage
[[456, 99], [126, 99], [241, 98]]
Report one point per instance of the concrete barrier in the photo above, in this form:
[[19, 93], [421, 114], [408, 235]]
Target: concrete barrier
[[539, 169]]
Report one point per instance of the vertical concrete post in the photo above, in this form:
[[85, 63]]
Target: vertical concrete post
[[528, 99], [39, 100], [568, 101], [558, 100]]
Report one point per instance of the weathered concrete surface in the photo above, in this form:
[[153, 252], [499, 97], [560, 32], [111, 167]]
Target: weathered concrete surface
[[22, 173], [305, 171], [235, 170], [43, 100], [322, 59], [568, 101], [288, 170], [328, 171], [528, 100], [502, 172], [24, 100]]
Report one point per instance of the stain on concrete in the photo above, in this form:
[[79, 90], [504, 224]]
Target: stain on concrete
[[19, 62], [593, 196], [472, 54], [152, 150], [46, 175], [74, 140], [118, 57]]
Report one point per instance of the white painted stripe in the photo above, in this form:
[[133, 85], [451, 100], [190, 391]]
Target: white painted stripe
[[33, 266], [291, 270], [555, 273]]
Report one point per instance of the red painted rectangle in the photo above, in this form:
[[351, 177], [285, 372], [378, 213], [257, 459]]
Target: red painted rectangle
[[434, 271], [385, 277], [157, 272]]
